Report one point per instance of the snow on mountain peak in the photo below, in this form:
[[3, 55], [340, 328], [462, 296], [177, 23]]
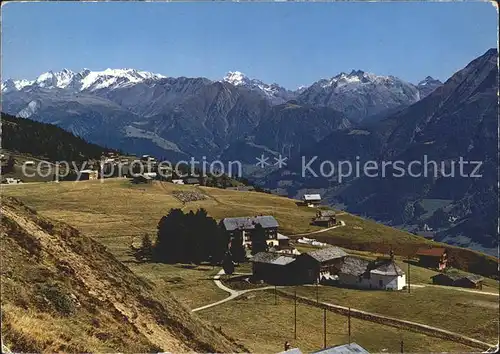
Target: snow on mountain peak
[[236, 78], [275, 93], [84, 80]]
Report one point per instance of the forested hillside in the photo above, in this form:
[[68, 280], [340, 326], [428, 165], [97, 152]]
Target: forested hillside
[[45, 140]]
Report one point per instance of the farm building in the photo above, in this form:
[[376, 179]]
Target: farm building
[[353, 273], [470, 281], [325, 218], [273, 268], [88, 174], [320, 265], [142, 178], [311, 199], [444, 279], [281, 244], [455, 279], [177, 181], [435, 258], [361, 273], [242, 226]]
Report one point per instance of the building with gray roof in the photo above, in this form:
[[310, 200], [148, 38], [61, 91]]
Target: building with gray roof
[[241, 227], [273, 268]]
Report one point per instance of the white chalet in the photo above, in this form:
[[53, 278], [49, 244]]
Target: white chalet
[[381, 274]]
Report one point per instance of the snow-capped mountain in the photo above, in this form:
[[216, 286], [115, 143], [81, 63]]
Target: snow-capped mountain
[[86, 80], [273, 92], [198, 115], [360, 94], [427, 86]]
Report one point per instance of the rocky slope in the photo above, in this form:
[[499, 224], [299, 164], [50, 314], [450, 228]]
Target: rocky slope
[[63, 292], [360, 94]]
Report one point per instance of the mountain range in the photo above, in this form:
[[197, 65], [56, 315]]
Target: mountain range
[[178, 117], [347, 115]]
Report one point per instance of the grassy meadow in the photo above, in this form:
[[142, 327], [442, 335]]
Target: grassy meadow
[[118, 213], [264, 327]]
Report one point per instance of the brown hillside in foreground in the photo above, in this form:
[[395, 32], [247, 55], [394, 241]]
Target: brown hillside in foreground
[[63, 292]]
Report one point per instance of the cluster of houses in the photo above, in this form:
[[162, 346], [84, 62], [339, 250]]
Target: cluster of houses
[[330, 266], [283, 264], [437, 258]]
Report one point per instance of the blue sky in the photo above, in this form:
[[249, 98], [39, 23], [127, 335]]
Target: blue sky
[[289, 43]]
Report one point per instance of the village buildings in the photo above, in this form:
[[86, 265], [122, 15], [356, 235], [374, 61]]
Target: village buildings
[[274, 268], [320, 265], [435, 258], [455, 279], [281, 244], [240, 227], [311, 200], [329, 266], [386, 275], [325, 218]]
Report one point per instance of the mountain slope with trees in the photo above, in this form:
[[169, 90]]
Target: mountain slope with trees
[[46, 141]]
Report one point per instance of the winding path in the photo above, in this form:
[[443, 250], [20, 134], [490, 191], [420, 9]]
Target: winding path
[[232, 293], [342, 223]]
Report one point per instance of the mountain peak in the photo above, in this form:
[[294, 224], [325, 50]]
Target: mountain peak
[[236, 78], [429, 80]]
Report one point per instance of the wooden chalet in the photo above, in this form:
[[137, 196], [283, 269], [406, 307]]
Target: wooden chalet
[[325, 218], [242, 226], [436, 258], [383, 274], [470, 281], [321, 264], [273, 268], [311, 199], [455, 279]]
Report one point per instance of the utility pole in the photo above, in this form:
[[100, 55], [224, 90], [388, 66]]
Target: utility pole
[[295, 314], [349, 324], [317, 292], [275, 296], [402, 346], [324, 327], [408, 274]]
